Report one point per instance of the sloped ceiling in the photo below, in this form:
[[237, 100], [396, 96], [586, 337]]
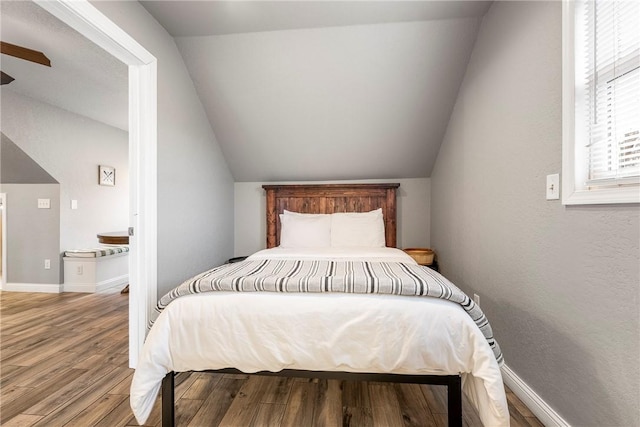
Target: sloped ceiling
[[300, 90], [16, 167], [325, 90], [82, 78]]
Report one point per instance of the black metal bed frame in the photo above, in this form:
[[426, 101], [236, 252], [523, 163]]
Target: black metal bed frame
[[453, 383]]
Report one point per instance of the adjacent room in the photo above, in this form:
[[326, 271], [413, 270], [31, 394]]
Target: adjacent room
[[413, 212]]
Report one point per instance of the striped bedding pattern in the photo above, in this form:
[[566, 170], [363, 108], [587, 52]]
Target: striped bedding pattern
[[364, 277], [96, 252]]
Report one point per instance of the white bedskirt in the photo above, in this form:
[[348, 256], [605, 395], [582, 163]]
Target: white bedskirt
[[323, 332], [326, 332]]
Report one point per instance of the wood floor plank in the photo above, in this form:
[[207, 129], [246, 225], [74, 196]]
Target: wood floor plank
[[534, 422], [269, 414], [184, 381], [6, 371], [299, 410], [9, 393], [328, 405], [22, 420], [216, 405], [357, 417], [356, 394], [92, 415], [36, 375], [118, 417], [186, 409], [385, 406], [85, 399], [201, 387], [442, 420], [436, 396], [68, 391], [277, 390], [74, 351], [35, 395], [414, 407], [123, 387], [245, 405], [100, 359]]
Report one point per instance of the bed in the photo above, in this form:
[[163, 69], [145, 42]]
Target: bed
[[347, 306]]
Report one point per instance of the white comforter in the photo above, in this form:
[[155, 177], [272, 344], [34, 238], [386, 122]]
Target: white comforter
[[324, 332]]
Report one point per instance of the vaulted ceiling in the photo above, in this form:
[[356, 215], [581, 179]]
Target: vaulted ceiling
[[306, 90], [82, 78]]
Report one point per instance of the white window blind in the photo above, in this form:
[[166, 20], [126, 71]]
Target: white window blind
[[612, 91]]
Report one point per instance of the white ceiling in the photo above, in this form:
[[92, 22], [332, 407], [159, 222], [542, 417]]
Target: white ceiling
[[299, 90], [212, 18], [82, 79]]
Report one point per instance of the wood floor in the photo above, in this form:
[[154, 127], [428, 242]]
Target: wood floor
[[63, 362]]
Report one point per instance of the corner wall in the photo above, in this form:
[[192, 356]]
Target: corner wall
[[559, 284], [33, 235]]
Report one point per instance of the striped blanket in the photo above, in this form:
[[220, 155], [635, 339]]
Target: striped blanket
[[362, 277]]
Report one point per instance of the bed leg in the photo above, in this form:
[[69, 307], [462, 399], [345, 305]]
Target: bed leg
[[454, 395], [168, 413]]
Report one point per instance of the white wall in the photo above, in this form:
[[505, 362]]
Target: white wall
[[559, 284], [195, 187], [70, 148], [412, 202]]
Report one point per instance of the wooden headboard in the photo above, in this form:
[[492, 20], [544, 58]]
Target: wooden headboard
[[330, 198]]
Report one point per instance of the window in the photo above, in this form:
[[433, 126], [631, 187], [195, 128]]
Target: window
[[601, 101]]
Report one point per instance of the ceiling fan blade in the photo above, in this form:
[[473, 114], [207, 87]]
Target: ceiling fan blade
[[6, 78], [24, 53]]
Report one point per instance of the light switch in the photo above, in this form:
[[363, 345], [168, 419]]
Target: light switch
[[74, 204], [553, 187], [44, 203]]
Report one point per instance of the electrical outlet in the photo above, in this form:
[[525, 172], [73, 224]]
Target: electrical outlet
[[79, 270], [47, 264], [476, 299]]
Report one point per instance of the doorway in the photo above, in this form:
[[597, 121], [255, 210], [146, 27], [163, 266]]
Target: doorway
[[91, 23], [3, 240]]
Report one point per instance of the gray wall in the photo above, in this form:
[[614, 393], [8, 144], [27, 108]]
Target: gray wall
[[413, 213], [16, 167], [195, 187], [559, 284], [33, 234]]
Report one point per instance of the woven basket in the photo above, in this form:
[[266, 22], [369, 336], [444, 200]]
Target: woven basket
[[423, 256]]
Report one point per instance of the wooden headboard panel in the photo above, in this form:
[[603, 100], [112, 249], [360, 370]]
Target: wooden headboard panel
[[330, 198]]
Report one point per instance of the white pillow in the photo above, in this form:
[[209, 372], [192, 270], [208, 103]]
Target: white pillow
[[307, 215], [305, 231], [357, 229]]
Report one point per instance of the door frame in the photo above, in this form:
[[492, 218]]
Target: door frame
[[3, 243], [91, 23]]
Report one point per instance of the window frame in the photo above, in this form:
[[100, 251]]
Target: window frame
[[574, 165]]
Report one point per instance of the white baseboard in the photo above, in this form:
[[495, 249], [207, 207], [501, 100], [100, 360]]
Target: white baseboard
[[545, 413], [33, 287], [97, 287]]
